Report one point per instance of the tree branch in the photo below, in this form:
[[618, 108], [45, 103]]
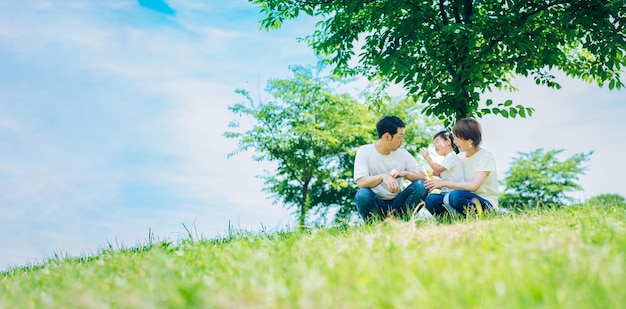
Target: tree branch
[[431, 19], [521, 20], [455, 10], [444, 16], [469, 9], [507, 61], [314, 2]]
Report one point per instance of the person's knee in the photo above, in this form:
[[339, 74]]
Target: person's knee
[[364, 199], [417, 184], [430, 202], [418, 187], [365, 204], [455, 197], [363, 194], [431, 199]]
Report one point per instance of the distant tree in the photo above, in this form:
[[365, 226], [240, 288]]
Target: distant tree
[[607, 199], [538, 179], [311, 132], [449, 52]]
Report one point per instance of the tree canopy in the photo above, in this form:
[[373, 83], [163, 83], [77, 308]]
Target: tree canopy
[[449, 52]]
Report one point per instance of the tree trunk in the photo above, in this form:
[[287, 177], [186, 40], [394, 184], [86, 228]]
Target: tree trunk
[[304, 205]]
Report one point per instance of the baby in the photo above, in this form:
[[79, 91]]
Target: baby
[[451, 168]]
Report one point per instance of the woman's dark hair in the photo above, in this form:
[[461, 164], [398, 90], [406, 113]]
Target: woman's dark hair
[[389, 124], [468, 129], [445, 135]]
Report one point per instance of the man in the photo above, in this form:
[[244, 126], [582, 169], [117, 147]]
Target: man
[[379, 170]]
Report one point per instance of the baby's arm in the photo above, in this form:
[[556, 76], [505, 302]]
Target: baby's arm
[[437, 168]]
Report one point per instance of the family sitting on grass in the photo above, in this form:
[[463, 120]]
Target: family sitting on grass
[[467, 182]]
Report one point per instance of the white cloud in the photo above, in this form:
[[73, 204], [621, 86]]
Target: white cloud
[[108, 106]]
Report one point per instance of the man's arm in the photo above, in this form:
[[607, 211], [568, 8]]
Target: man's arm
[[375, 180], [369, 181], [412, 176]]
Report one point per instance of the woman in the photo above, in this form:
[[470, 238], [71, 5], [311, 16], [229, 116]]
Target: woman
[[480, 189]]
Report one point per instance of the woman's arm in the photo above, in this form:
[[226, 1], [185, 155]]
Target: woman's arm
[[472, 186]]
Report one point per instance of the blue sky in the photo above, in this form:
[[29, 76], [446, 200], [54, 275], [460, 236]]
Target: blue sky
[[112, 115]]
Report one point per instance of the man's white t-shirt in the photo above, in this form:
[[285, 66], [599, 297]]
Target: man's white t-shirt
[[482, 161], [454, 169], [370, 162]]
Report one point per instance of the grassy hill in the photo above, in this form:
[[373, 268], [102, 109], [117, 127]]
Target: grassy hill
[[567, 258]]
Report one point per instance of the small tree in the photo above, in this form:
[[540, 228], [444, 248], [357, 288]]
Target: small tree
[[538, 178], [606, 200], [310, 132]]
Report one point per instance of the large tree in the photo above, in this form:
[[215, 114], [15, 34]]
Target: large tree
[[449, 52]]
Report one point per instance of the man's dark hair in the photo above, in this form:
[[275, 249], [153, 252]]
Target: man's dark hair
[[389, 124]]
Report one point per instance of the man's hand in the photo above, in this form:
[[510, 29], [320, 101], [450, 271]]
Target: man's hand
[[397, 174], [391, 182]]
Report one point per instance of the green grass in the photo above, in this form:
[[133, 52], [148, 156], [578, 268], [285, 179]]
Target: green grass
[[567, 258]]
